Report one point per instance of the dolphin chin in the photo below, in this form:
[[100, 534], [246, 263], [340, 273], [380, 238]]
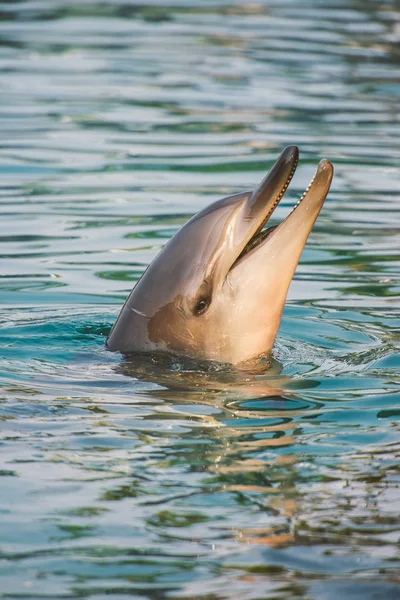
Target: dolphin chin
[[217, 289]]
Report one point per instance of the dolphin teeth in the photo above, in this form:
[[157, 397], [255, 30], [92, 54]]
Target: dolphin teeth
[[281, 193], [262, 234], [304, 195]]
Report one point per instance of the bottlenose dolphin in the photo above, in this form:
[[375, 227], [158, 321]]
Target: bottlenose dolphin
[[216, 290]]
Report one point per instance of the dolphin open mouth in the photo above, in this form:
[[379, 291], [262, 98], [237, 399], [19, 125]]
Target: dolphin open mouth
[[255, 241], [302, 216]]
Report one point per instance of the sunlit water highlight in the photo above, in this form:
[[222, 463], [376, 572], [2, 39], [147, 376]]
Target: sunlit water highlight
[[118, 122]]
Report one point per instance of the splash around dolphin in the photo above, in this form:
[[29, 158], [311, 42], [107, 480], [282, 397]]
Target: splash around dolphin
[[217, 289]]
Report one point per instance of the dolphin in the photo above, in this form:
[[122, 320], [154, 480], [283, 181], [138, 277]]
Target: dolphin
[[217, 289]]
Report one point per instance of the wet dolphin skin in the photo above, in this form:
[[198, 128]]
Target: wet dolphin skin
[[217, 289]]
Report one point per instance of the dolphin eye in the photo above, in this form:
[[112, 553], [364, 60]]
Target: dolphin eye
[[201, 306]]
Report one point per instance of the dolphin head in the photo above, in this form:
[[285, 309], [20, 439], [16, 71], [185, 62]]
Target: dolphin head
[[217, 289]]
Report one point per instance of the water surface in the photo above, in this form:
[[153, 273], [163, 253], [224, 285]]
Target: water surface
[[118, 122]]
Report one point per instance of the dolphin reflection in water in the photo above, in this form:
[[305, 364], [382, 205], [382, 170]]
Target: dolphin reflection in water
[[234, 430], [217, 289]]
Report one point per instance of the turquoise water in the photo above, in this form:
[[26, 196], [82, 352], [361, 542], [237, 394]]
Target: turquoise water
[[118, 122]]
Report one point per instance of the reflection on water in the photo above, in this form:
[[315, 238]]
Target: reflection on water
[[168, 479]]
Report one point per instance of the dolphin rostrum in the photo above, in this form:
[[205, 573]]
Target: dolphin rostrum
[[216, 290]]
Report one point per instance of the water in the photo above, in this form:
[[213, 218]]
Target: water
[[118, 122]]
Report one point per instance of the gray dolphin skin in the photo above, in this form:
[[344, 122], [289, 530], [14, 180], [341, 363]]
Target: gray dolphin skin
[[217, 289]]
